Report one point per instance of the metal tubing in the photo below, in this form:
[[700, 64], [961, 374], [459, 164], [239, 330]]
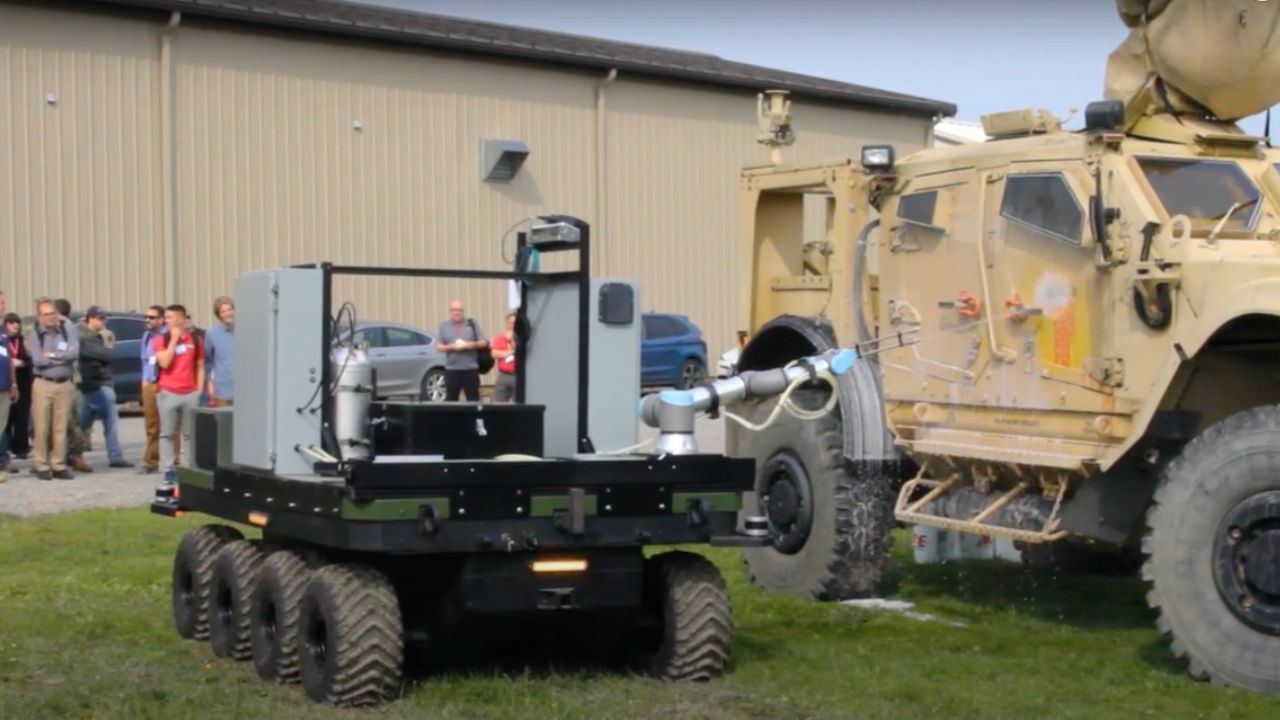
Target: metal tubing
[[730, 391]]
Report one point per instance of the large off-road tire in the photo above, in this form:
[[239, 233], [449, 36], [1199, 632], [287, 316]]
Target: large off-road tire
[[231, 586], [1213, 552], [192, 571], [352, 637], [831, 525], [274, 611], [687, 594]]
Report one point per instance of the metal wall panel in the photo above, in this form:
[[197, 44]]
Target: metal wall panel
[[79, 158], [292, 150], [291, 147]]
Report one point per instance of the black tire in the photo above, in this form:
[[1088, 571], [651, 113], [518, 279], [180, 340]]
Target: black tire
[[688, 595], [432, 389], [274, 612], [352, 637], [231, 587], [1220, 499], [192, 571], [692, 374], [842, 549]]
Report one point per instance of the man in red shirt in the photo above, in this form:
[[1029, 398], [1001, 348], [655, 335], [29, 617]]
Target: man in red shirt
[[504, 355], [180, 358]]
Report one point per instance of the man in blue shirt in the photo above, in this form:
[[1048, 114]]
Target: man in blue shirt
[[150, 409], [219, 352]]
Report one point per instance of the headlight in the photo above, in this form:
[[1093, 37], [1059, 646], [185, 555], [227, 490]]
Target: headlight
[[877, 157]]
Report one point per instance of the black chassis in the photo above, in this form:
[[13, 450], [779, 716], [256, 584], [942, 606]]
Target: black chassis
[[458, 537]]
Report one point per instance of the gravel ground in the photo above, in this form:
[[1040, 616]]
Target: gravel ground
[[24, 495]]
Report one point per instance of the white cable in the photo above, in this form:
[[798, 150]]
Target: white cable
[[784, 403]]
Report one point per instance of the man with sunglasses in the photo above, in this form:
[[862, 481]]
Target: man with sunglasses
[[154, 318]]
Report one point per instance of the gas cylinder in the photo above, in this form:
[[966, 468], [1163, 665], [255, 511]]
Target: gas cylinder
[[353, 396]]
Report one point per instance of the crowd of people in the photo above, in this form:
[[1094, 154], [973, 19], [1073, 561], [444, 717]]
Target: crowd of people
[[56, 382]]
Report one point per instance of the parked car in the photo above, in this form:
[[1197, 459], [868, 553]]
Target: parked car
[[405, 359], [126, 355], [672, 351]]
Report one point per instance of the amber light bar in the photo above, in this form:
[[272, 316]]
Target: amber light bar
[[562, 565]]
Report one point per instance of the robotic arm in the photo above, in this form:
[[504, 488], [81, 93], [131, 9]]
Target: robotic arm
[[672, 412]]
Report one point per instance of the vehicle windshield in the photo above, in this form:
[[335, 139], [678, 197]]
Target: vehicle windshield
[[1205, 191]]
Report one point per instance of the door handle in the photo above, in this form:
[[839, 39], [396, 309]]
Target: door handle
[[1016, 311], [964, 304]]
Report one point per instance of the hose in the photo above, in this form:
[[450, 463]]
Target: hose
[[784, 403]]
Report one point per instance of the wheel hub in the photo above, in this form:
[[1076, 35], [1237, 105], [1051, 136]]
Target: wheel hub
[[1247, 561], [787, 499]]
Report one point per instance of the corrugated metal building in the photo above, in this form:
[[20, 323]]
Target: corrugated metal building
[[152, 149]]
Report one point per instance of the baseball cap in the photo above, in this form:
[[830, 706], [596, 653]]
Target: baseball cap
[[95, 311]]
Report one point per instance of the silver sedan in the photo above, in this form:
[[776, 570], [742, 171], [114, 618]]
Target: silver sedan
[[405, 359]]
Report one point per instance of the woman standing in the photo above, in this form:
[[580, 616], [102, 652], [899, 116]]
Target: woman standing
[[504, 353], [18, 424]]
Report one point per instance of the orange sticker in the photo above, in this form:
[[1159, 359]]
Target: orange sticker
[[1063, 330]]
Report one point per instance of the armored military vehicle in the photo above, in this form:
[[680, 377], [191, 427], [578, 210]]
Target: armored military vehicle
[[1081, 333]]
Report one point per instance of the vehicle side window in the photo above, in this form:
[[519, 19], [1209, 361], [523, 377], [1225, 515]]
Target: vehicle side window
[[657, 327], [372, 336], [1043, 202], [919, 207], [125, 329], [399, 337]]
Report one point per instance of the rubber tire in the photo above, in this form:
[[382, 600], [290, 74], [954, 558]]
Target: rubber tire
[[423, 392], [281, 583], [681, 384], [235, 572], [1235, 458], [847, 549], [364, 655], [195, 556], [689, 594]]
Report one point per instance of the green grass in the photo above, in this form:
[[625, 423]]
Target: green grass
[[85, 632]]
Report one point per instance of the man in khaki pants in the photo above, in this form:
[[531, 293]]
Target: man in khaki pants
[[150, 372], [54, 349]]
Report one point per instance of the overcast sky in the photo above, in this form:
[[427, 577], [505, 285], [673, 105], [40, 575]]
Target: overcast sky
[[982, 55]]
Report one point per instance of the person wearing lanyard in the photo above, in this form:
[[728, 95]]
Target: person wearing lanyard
[[8, 395], [154, 318], [15, 438], [504, 355], [54, 353], [181, 376]]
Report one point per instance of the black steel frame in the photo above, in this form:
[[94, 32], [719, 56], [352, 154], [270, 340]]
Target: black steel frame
[[582, 276]]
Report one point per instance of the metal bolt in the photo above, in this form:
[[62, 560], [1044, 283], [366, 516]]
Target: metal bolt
[[462, 511], [520, 509], [1246, 602], [1235, 533], [608, 507], [462, 493], [662, 506]]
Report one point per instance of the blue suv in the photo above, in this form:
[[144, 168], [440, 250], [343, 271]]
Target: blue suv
[[672, 352]]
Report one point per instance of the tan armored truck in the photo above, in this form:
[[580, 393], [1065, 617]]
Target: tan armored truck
[[1078, 339]]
